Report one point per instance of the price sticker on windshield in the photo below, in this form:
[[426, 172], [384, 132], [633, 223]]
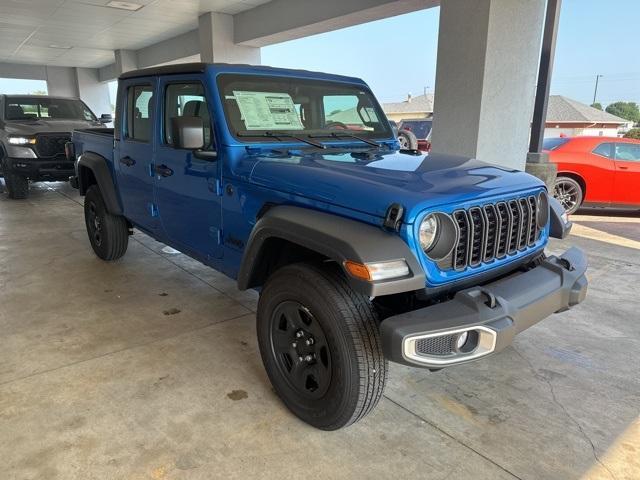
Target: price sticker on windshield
[[268, 111]]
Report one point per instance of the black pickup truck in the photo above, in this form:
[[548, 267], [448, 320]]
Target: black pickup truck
[[33, 132]]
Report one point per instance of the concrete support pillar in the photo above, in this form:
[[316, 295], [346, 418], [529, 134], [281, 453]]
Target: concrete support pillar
[[126, 60], [488, 54], [80, 83], [215, 32], [62, 81], [92, 91]]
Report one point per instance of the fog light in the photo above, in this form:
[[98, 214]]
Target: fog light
[[462, 339]]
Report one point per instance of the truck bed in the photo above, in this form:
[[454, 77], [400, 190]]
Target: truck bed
[[96, 140]]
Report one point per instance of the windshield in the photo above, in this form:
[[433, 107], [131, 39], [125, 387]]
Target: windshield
[[27, 108], [267, 107], [553, 143]]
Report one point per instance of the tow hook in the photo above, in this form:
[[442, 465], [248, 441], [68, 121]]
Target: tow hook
[[566, 264], [491, 301]]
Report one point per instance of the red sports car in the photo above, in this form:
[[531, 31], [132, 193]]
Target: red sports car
[[596, 171]]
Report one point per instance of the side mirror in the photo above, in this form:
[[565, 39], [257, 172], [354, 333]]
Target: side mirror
[[187, 133], [106, 118]]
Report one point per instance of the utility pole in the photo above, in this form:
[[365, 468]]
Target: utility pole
[[595, 90]]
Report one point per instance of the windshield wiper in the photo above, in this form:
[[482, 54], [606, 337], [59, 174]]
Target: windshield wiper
[[280, 135], [347, 135]]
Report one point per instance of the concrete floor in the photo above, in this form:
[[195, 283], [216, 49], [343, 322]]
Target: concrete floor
[[148, 368]]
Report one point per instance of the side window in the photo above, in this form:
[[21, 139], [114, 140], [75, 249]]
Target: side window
[[604, 150], [139, 113], [187, 100], [629, 152]]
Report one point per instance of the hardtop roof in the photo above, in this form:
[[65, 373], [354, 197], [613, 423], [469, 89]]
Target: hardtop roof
[[199, 67]]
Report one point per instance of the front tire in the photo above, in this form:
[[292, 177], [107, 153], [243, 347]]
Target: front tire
[[17, 185], [108, 234], [320, 345], [569, 193]]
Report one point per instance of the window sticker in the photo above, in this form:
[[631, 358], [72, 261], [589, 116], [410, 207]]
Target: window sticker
[[268, 111]]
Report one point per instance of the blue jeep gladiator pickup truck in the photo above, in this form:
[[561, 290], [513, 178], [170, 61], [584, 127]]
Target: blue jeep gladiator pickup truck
[[293, 183]]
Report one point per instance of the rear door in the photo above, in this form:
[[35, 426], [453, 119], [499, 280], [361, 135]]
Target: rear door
[[627, 176], [134, 153], [187, 187]]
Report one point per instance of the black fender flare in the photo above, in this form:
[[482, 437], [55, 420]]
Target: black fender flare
[[558, 228], [337, 238], [97, 164]]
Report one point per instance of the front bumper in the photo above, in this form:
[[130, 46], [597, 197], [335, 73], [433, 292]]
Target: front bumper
[[57, 168], [491, 314]]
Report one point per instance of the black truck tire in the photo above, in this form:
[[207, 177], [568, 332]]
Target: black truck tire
[[108, 234], [17, 185], [320, 345]]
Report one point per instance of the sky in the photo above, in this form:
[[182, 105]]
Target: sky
[[397, 56]]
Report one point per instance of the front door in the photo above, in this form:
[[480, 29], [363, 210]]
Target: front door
[[133, 156], [187, 189], [627, 176]]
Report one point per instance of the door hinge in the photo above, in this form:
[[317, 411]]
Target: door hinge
[[215, 185], [153, 209], [152, 170], [216, 233]]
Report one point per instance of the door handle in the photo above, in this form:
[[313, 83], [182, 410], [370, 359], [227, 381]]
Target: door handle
[[128, 161], [163, 170], [622, 167]]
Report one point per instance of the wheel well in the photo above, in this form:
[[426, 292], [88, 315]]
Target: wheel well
[[277, 252], [86, 178], [578, 179]]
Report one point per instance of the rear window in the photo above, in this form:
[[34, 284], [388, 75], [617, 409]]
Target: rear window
[[553, 143], [419, 128]]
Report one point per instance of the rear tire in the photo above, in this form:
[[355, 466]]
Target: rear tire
[[340, 376], [407, 140], [108, 234], [569, 193]]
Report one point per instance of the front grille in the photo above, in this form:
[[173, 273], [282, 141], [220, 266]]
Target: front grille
[[51, 144], [440, 345], [493, 231]]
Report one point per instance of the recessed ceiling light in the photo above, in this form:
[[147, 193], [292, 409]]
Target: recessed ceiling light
[[125, 6], [60, 47]]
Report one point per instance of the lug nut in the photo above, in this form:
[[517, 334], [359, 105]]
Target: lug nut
[[309, 341], [299, 334], [300, 359], [308, 358], [294, 345]]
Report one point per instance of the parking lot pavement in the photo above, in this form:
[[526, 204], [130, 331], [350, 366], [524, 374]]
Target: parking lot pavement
[[148, 368]]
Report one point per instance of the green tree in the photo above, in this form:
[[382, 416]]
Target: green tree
[[633, 133], [626, 110], [597, 105]]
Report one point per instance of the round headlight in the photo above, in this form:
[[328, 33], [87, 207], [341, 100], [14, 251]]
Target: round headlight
[[428, 232], [438, 235]]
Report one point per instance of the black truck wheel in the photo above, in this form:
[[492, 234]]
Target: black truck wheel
[[108, 234], [320, 345], [17, 185]]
